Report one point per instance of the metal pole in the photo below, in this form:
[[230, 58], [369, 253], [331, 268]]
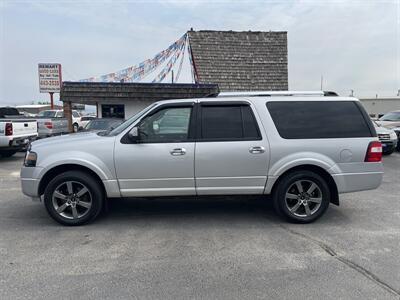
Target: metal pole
[[322, 79], [172, 76], [51, 100]]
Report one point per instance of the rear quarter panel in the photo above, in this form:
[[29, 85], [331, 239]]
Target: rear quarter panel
[[335, 155]]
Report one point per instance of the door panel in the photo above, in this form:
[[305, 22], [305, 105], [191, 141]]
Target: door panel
[[230, 168], [162, 162], [231, 153], [151, 169]]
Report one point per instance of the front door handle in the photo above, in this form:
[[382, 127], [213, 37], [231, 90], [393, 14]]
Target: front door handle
[[257, 150], [178, 151]]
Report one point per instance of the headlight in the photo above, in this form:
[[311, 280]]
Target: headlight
[[30, 159], [393, 136]]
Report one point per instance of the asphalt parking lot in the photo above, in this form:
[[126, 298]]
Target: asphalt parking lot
[[202, 248]]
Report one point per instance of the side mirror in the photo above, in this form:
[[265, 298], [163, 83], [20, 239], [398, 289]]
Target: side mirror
[[134, 134]]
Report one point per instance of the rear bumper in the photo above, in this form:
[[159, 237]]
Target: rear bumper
[[16, 142], [354, 182]]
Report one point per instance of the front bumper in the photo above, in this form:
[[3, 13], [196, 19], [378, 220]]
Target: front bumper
[[30, 181]]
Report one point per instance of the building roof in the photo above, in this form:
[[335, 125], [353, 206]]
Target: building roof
[[93, 92], [241, 61], [33, 106]]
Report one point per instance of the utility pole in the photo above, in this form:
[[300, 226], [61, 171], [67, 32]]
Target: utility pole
[[351, 93], [172, 76], [51, 100]]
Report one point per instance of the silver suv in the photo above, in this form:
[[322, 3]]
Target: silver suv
[[303, 149]]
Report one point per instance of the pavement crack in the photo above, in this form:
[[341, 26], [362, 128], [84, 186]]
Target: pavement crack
[[346, 261]]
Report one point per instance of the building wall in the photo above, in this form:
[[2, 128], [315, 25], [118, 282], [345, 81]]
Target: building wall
[[241, 60], [378, 106]]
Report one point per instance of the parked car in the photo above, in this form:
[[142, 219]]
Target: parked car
[[303, 149], [15, 131], [397, 131], [102, 124], [390, 120], [58, 113], [51, 123], [85, 120], [388, 138]]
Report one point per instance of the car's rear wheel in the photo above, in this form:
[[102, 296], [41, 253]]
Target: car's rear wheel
[[73, 198], [76, 127], [302, 196]]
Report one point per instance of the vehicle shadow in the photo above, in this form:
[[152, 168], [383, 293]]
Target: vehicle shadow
[[253, 209], [123, 208]]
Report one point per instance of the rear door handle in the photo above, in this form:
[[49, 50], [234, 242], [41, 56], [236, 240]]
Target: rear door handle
[[178, 151], [257, 150]]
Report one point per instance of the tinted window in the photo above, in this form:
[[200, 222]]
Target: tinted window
[[169, 124], [318, 119], [228, 122], [75, 114]]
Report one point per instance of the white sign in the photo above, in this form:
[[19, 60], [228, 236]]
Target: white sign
[[50, 78]]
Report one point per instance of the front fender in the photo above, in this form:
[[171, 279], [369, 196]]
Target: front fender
[[84, 159]]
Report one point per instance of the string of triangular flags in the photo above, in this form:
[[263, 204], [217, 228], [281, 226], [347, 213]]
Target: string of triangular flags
[[138, 72]]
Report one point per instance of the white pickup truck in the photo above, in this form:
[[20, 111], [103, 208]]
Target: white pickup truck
[[59, 124], [15, 131]]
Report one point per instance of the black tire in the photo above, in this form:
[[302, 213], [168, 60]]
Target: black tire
[[79, 178], [388, 152], [287, 184], [7, 153]]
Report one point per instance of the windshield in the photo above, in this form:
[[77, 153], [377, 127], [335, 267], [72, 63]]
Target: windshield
[[392, 116], [47, 114], [130, 121]]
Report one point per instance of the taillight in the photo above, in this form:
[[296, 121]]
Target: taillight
[[9, 129], [374, 152], [48, 125]]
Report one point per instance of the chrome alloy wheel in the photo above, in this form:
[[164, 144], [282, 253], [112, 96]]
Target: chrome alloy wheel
[[72, 200], [303, 198]]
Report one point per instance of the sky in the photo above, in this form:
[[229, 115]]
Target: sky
[[353, 45]]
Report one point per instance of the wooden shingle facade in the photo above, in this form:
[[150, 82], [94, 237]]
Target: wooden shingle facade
[[240, 61], [114, 92]]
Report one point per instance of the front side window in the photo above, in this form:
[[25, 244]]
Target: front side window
[[169, 124], [228, 122]]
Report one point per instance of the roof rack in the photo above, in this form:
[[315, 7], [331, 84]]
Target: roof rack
[[276, 93]]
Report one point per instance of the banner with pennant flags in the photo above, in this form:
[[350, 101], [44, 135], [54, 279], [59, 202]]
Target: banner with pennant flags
[[142, 70]]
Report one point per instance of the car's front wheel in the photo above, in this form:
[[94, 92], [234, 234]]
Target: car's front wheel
[[302, 196], [73, 198]]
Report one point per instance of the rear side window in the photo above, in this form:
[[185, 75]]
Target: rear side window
[[318, 119], [228, 122]]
